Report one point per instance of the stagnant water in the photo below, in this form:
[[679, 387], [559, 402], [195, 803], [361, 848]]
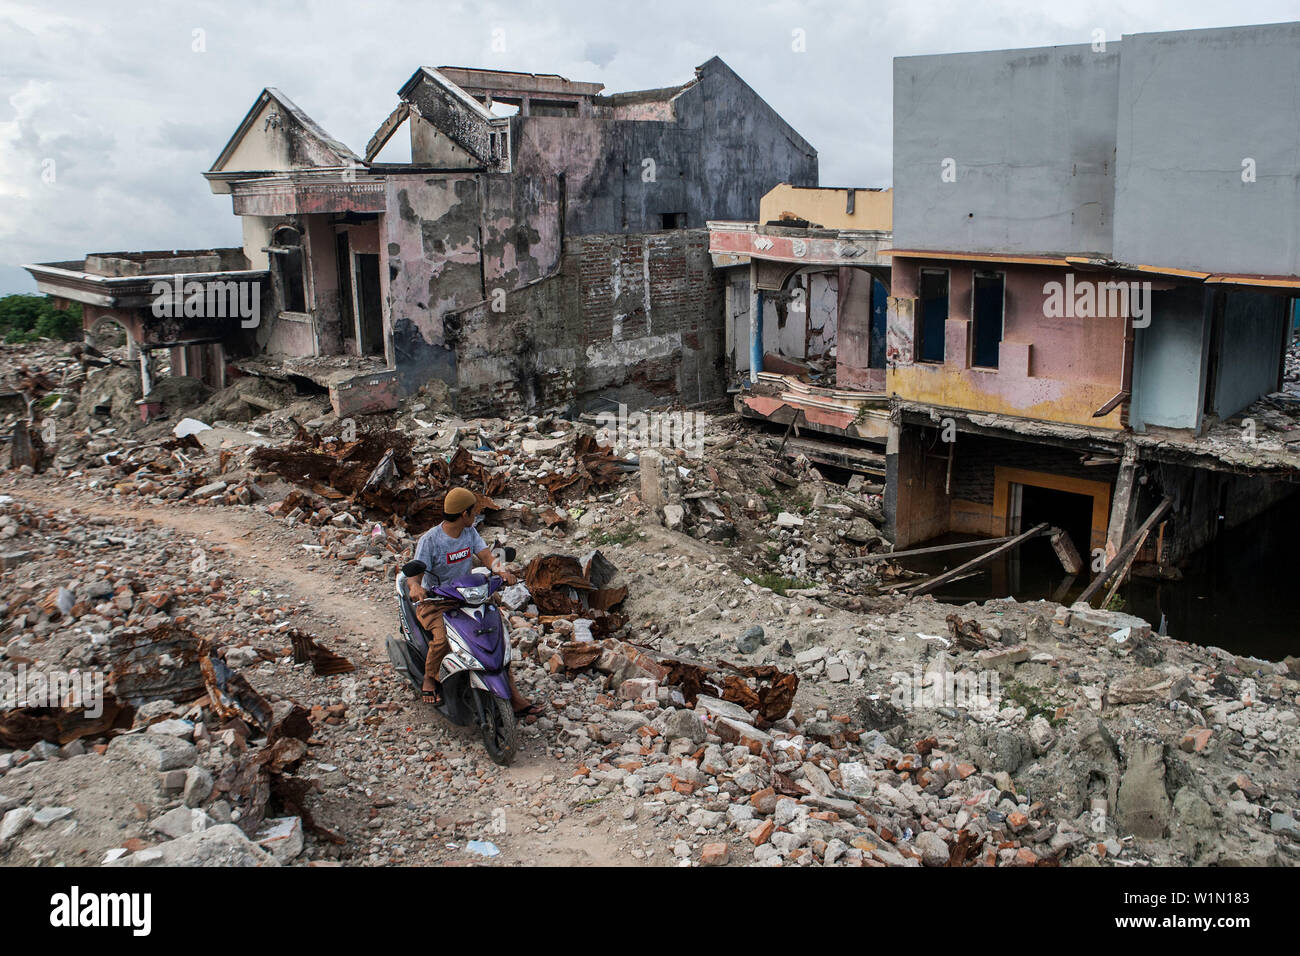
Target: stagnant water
[[1241, 593]]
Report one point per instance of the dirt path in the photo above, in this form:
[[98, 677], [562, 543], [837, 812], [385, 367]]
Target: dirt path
[[357, 612]]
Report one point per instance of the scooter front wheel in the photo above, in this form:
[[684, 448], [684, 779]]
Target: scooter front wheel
[[498, 728]]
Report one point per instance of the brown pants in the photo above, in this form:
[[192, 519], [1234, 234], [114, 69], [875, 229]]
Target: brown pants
[[429, 614]]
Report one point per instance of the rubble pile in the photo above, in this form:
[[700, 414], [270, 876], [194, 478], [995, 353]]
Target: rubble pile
[[723, 673], [164, 641], [790, 524]]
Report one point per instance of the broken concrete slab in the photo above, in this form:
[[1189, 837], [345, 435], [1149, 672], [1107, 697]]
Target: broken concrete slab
[[742, 734], [1144, 805], [684, 723], [13, 823], [366, 394], [157, 752], [181, 821], [1003, 657], [223, 845], [281, 837], [1101, 621], [48, 816], [722, 709]]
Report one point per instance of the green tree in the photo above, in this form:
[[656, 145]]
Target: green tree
[[26, 318]]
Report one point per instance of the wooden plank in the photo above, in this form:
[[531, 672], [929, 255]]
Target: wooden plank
[[900, 585], [1128, 566], [933, 549], [1066, 552], [1121, 556], [927, 586]]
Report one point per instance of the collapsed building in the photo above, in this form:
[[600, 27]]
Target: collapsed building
[[1094, 262], [807, 287], [556, 258]]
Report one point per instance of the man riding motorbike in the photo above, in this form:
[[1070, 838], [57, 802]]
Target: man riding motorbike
[[448, 550]]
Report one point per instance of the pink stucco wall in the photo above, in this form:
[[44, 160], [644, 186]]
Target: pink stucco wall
[[1058, 369]]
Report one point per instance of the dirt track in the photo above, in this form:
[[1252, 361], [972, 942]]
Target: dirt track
[[355, 616]]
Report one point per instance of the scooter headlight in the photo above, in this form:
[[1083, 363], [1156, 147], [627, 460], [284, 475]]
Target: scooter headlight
[[475, 595]]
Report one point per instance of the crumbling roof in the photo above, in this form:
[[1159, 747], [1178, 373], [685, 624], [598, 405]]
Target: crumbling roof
[[476, 78], [429, 74], [340, 150]]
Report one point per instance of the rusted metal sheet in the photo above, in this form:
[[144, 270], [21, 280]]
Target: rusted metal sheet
[[764, 688], [324, 662], [377, 471], [161, 663], [597, 467], [232, 696], [24, 727]]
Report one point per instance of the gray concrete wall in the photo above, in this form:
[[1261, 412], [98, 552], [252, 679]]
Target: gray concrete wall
[[1169, 362], [1031, 136], [1193, 105], [725, 149], [632, 319], [1250, 357]]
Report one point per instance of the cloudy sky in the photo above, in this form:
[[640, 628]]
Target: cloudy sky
[[109, 112]]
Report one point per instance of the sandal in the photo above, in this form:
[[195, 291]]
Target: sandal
[[433, 697], [532, 711]]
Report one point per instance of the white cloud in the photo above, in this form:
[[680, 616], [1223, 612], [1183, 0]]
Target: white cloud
[[132, 115]]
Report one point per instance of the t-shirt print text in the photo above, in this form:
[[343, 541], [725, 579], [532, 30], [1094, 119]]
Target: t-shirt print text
[[454, 556]]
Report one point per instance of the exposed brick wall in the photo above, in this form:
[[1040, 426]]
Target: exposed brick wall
[[584, 337], [976, 457]]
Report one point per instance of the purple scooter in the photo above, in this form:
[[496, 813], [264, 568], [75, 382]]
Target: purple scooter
[[475, 689]]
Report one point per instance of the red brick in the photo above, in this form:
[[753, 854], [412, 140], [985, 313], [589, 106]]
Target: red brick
[[714, 854]]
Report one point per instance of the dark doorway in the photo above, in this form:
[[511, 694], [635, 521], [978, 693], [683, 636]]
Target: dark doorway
[[1034, 567], [934, 315], [370, 310], [879, 319], [1238, 592], [343, 257], [1070, 512], [987, 314]]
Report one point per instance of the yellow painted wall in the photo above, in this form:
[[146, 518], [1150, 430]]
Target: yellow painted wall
[[976, 390], [872, 209]]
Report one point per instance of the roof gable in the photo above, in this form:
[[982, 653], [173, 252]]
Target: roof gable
[[276, 135]]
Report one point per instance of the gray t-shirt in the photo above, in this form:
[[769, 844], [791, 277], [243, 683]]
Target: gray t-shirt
[[447, 558]]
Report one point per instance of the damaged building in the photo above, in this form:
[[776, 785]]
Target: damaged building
[[806, 289], [1094, 262], [555, 258]]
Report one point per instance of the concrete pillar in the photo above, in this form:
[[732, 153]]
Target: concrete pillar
[[890, 504], [1123, 504], [146, 374], [652, 489], [755, 323]]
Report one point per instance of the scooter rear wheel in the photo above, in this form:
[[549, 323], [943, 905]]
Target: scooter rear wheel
[[498, 729]]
